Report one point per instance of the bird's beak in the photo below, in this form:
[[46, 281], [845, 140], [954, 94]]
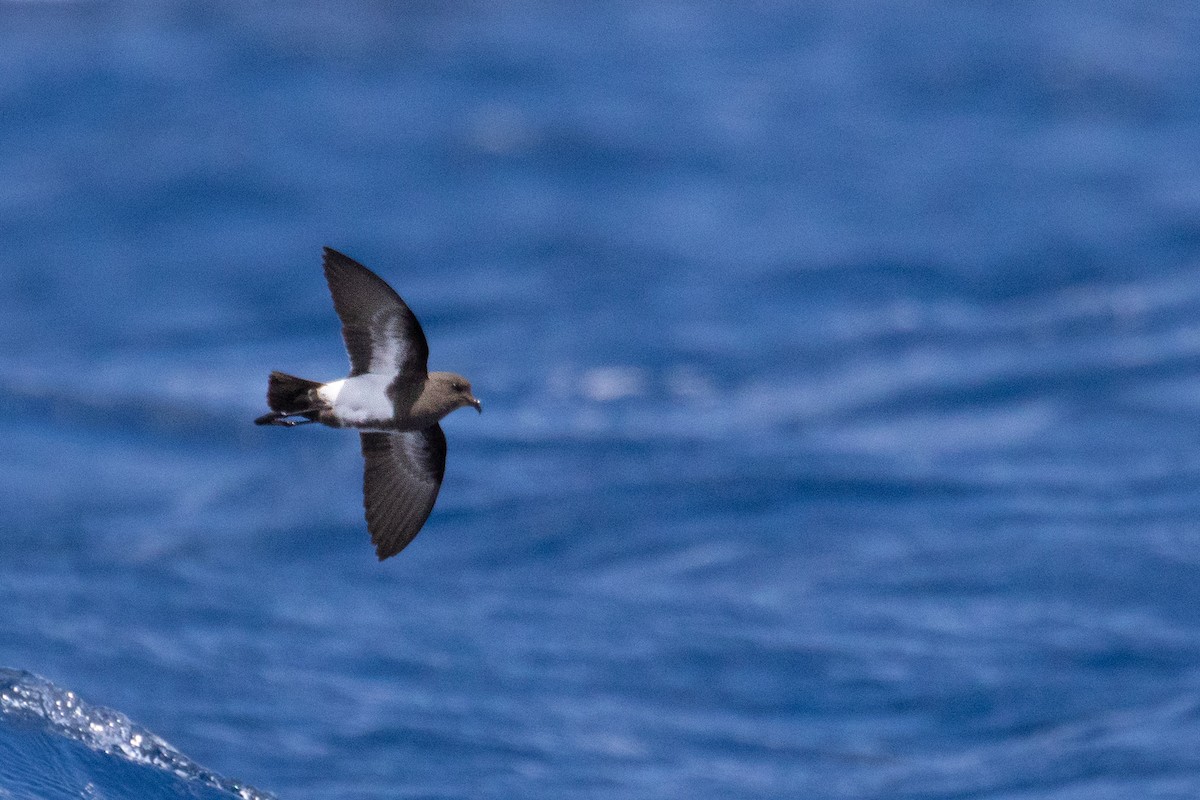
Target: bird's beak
[[478, 405]]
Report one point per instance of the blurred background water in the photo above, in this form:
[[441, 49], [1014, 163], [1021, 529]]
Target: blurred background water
[[842, 373]]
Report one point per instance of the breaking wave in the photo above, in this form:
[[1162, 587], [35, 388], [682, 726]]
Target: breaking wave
[[55, 745]]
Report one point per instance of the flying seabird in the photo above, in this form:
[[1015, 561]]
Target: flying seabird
[[389, 396]]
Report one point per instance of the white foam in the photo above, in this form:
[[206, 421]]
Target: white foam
[[604, 384], [34, 700]]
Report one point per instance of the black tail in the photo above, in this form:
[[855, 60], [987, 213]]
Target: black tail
[[288, 395]]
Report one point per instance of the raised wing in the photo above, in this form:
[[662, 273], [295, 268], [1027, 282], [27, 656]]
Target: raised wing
[[382, 335], [401, 477]]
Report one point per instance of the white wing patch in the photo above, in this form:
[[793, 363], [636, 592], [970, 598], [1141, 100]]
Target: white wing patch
[[416, 455], [360, 400], [389, 346]]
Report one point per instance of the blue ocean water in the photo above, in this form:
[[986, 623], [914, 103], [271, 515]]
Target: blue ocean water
[[841, 371]]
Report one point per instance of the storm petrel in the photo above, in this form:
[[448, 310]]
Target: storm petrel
[[389, 396]]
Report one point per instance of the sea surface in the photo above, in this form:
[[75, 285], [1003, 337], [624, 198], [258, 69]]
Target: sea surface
[[841, 378]]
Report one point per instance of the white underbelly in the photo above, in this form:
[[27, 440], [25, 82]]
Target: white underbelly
[[359, 400]]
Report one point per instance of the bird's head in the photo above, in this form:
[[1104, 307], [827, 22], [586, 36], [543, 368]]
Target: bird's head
[[455, 391]]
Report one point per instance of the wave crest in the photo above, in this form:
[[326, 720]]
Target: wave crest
[[32, 702]]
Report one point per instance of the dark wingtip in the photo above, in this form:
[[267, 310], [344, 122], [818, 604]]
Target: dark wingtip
[[332, 257], [385, 549], [337, 263], [266, 419]]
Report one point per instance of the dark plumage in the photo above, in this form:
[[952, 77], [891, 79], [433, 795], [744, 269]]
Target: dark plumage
[[389, 395]]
